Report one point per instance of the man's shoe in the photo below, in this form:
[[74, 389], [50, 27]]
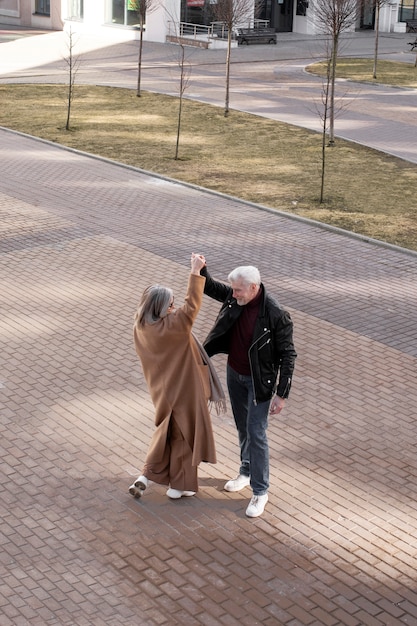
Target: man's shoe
[[135, 491], [175, 494], [256, 506], [238, 483], [141, 483]]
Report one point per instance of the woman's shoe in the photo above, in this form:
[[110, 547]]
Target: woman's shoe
[[135, 491], [141, 483], [175, 494]]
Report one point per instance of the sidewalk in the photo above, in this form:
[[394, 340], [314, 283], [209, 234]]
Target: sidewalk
[[80, 239]]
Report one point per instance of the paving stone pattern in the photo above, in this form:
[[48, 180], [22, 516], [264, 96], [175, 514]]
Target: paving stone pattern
[[337, 544]]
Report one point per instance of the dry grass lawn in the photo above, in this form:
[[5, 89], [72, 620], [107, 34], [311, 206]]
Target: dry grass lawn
[[360, 70], [366, 192]]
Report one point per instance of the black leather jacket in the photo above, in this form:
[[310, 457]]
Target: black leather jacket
[[272, 352]]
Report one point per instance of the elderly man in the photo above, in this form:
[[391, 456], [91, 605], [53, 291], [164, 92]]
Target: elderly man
[[257, 335]]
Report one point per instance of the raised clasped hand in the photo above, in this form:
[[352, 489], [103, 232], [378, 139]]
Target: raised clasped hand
[[198, 261]]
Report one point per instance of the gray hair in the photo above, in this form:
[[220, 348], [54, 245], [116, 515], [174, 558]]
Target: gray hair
[[153, 305], [247, 273]]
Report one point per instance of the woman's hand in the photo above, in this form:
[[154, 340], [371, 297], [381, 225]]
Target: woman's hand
[[198, 261]]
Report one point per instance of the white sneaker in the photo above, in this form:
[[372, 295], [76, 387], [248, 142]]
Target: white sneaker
[[256, 506], [135, 491], [176, 493], [141, 483], [237, 483]]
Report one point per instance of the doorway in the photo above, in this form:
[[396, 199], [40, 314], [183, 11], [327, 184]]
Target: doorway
[[279, 13]]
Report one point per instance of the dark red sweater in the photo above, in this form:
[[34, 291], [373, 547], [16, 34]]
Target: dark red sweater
[[241, 336]]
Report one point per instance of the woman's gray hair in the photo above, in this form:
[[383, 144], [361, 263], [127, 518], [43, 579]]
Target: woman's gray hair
[[153, 305], [247, 273]]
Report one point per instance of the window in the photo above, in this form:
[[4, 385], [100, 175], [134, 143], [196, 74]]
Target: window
[[125, 12], [408, 10], [302, 6], [43, 7], [76, 9]]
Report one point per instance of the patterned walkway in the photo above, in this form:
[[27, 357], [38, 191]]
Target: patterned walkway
[[79, 240], [337, 545]]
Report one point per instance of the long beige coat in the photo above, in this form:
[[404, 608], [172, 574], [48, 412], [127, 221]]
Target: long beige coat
[[177, 379]]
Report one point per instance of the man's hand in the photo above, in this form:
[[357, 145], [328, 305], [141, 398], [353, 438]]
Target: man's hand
[[277, 404]]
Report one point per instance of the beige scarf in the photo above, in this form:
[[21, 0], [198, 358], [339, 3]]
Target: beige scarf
[[217, 397]]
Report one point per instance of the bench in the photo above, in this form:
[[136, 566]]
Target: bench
[[411, 26], [256, 35], [413, 44]]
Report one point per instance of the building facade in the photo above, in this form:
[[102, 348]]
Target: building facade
[[42, 14], [104, 15]]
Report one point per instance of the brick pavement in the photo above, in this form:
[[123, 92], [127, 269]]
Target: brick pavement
[[80, 238]]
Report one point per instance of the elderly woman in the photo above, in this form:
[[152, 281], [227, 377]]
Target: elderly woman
[[178, 379]]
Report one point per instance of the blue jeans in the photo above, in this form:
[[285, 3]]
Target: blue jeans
[[251, 423]]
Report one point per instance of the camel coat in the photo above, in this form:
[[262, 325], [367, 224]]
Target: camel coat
[[177, 378]]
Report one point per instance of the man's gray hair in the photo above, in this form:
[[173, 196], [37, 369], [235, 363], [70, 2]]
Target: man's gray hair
[[247, 273]]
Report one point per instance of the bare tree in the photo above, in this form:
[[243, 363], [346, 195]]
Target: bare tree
[[339, 104], [233, 14], [334, 17], [143, 8], [378, 5], [73, 64], [324, 117], [185, 72], [185, 68]]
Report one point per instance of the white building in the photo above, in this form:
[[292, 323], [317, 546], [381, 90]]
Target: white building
[[103, 15]]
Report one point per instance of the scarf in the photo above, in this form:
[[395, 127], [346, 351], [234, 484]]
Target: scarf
[[217, 397]]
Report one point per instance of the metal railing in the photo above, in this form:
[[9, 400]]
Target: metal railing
[[200, 32], [190, 31], [220, 29]]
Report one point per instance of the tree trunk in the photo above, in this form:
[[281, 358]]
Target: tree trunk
[[182, 87], [323, 142], [376, 37], [229, 48], [67, 125], [70, 81], [140, 56], [333, 62]]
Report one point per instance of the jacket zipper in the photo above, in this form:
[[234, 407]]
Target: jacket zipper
[[255, 402], [287, 386]]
